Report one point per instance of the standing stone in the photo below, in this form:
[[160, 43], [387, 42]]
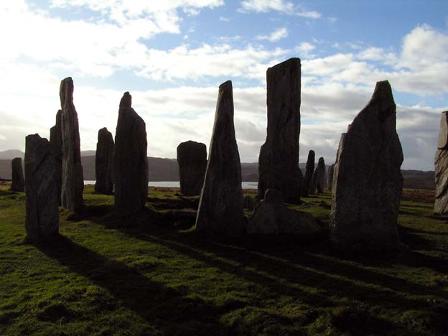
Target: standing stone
[[56, 141], [221, 205], [192, 160], [441, 168], [130, 159], [368, 179], [308, 179], [17, 181], [104, 162], [319, 183], [330, 177], [72, 175], [42, 198], [279, 155]]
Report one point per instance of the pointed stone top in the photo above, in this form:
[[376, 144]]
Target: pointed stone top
[[66, 91], [289, 62], [103, 130], [321, 161], [383, 91], [382, 102], [227, 85], [126, 100]]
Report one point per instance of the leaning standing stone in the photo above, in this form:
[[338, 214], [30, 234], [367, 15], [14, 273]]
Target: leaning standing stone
[[368, 179], [72, 175], [130, 159], [56, 141], [221, 204], [42, 198], [17, 181], [103, 162], [279, 155], [441, 168], [309, 171], [192, 160]]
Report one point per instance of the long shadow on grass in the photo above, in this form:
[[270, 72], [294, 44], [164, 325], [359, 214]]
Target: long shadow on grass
[[164, 308]]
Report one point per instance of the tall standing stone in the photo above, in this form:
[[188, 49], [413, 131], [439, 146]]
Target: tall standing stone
[[330, 177], [130, 159], [56, 141], [192, 160], [104, 162], [309, 171], [368, 179], [319, 182], [17, 181], [42, 198], [221, 205], [72, 175], [279, 155], [441, 168]]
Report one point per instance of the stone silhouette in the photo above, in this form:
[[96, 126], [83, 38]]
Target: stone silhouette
[[72, 174], [319, 177], [17, 180], [130, 159], [273, 217], [42, 198], [279, 155], [56, 141], [441, 168], [309, 171], [104, 162], [221, 204], [330, 177], [368, 179], [192, 160]]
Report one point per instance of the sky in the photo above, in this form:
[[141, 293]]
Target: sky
[[172, 55]]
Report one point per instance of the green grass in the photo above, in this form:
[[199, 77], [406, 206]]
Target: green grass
[[156, 277]]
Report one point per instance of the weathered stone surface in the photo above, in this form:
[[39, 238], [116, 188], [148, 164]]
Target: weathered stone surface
[[104, 157], [319, 177], [272, 216], [192, 160], [130, 159], [72, 175], [441, 168], [309, 171], [42, 198], [279, 155], [17, 180], [367, 178], [330, 177], [56, 141], [221, 205]]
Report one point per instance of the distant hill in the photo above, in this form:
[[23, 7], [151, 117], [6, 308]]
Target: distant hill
[[161, 169]]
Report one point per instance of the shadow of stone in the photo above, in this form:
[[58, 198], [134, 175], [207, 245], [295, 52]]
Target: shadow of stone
[[164, 308]]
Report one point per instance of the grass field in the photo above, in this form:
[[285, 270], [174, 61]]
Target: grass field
[[150, 275]]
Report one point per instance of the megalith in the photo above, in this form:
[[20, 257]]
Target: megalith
[[192, 161], [367, 178], [221, 204], [72, 174], [104, 157], [279, 155], [56, 141], [319, 177], [441, 168], [330, 177], [17, 180], [309, 171], [42, 198], [130, 166]]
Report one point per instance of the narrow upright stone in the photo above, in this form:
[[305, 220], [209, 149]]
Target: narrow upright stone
[[319, 182], [130, 159], [368, 179], [192, 160], [104, 162], [309, 171], [56, 141], [221, 205], [279, 155], [330, 177], [72, 175], [441, 168], [17, 181], [42, 198]]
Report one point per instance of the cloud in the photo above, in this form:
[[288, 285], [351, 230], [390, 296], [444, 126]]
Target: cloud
[[305, 48], [282, 6], [275, 36]]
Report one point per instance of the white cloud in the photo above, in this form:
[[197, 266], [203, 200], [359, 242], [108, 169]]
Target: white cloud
[[282, 6], [305, 48], [275, 36]]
